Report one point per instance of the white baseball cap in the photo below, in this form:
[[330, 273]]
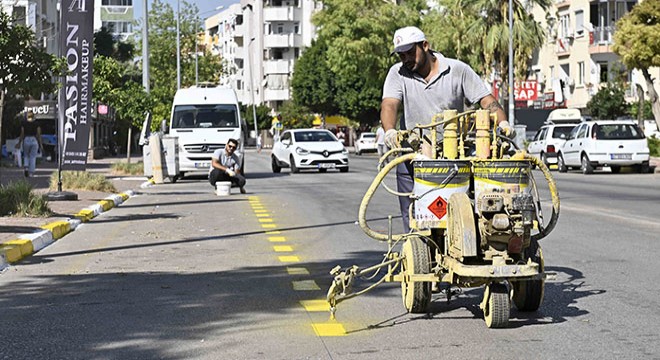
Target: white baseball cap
[[405, 38]]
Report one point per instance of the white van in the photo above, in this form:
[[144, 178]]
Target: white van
[[204, 119]]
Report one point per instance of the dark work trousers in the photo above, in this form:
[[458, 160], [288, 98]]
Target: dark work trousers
[[404, 184], [219, 175]]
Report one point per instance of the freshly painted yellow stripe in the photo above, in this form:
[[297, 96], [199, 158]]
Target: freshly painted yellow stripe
[[260, 210], [329, 329], [268, 226], [297, 271], [258, 207], [282, 248], [276, 239], [268, 220], [289, 258], [262, 215], [274, 232], [25, 246], [315, 305], [305, 285]]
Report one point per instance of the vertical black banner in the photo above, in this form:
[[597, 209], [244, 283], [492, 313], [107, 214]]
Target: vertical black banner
[[75, 98]]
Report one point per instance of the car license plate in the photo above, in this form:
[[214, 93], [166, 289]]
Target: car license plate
[[202, 164], [326, 166], [621, 156]]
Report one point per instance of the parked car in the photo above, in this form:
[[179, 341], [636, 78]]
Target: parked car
[[548, 140], [613, 143], [366, 143], [309, 149]]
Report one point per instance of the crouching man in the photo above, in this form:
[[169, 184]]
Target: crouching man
[[225, 166]]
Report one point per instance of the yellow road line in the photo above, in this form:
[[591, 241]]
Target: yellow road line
[[329, 329], [315, 305], [297, 271], [282, 248], [274, 232], [265, 220], [276, 239], [305, 285], [289, 258], [268, 226], [262, 215]]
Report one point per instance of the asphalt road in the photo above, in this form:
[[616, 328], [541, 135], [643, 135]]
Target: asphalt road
[[179, 273]]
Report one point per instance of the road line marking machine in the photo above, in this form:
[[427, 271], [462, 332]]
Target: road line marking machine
[[475, 219]]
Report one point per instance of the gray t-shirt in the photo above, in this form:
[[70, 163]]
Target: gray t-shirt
[[230, 162], [455, 84]]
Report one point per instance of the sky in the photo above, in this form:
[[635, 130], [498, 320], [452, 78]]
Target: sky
[[202, 5]]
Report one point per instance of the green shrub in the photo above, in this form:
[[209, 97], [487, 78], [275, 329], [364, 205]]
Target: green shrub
[[654, 146], [123, 168], [18, 199], [81, 180]]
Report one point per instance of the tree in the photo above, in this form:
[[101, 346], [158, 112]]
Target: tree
[[491, 31], [609, 102], [263, 116], [358, 36], [313, 84], [637, 41], [106, 45], [25, 69], [162, 55]]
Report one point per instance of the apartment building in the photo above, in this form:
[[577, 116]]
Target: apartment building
[[260, 41], [577, 58], [41, 16], [114, 15]]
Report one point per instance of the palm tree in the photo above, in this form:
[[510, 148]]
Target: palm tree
[[491, 34]]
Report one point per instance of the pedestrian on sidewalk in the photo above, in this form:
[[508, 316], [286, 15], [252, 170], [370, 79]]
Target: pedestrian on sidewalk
[[380, 141], [225, 166], [30, 140], [259, 144]]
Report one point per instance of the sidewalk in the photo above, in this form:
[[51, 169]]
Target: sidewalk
[[13, 228]]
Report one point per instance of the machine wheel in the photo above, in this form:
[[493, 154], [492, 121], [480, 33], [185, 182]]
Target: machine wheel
[[561, 165], [322, 170], [276, 167], [294, 168], [528, 295], [344, 169], [416, 295], [585, 165], [615, 169], [498, 307]]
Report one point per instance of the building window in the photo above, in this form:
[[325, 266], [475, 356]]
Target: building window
[[564, 26], [280, 28], [117, 2], [579, 23], [580, 73], [296, 53], [296, 28], [603, 72]]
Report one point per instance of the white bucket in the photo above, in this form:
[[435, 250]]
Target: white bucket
[[223, 188]]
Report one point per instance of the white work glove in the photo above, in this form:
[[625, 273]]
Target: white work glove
[[230, 172], [507, 130], [390, 139]]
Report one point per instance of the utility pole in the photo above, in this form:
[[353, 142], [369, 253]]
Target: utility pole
[[511, 119], [178, 46]]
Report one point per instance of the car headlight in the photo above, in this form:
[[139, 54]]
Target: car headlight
[[344, 151], [302, 151]]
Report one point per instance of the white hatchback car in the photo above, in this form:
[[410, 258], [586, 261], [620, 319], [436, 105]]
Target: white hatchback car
[[366, 143], [613, 143], [309, 149], [548, 140]]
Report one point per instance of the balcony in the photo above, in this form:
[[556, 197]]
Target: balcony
[[600, 40], [282, 13], [239, 52], [283, 40], [239, 30], [563, 47], [275, 95], [276, 67]]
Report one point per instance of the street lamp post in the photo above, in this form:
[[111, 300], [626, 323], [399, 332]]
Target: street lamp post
[[178, 48], [511, 103], [254, 106]]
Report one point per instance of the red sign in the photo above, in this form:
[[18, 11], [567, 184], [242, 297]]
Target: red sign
[[525, 90], [438, 207]]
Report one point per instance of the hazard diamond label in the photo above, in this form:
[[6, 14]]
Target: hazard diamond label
[[438, 207]]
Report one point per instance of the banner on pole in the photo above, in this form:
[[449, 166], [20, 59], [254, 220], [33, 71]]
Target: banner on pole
[[75, 98]]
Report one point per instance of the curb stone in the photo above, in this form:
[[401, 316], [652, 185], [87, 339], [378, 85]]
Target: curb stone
[[15, 250]]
